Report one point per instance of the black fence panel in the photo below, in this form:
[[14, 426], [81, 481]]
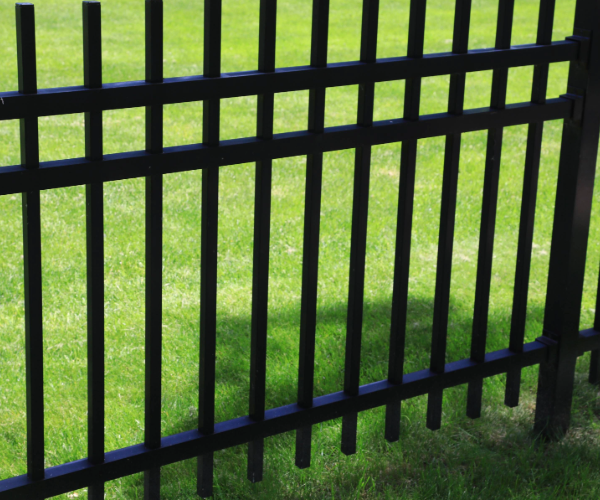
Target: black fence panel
[[555, 352]]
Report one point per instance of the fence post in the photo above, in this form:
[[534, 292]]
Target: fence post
[[571, 227]]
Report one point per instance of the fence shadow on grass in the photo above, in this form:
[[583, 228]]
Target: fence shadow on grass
[[491, 456], [233, 350]]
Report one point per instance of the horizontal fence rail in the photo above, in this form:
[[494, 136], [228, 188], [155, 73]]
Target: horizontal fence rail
[[177, 447], [68, 100], [119, 166], [555, 351]]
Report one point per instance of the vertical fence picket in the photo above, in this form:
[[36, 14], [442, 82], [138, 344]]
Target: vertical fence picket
[[92, 70], [360, 208], [576, 172], [210, 218], [560, 343], [32, 249], [530, 182], [312, 221], [408, 164], [262, 229], [488, 212], [154, 250], [460, 45]]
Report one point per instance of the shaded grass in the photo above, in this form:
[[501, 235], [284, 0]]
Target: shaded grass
[[493, 457]]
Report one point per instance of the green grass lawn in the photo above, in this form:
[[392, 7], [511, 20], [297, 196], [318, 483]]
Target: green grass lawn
[[493, 457]]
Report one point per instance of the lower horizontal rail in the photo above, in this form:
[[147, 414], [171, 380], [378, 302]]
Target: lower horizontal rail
[[137, 458], [79, 171]]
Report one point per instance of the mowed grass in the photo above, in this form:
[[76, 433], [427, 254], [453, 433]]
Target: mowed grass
[[493, 457]]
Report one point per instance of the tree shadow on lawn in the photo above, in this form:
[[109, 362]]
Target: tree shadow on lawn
[[492, 457]]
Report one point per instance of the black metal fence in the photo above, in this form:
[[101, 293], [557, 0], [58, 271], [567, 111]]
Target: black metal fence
[[555, 351]]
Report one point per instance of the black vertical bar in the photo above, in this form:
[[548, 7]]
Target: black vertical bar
[[154, 243], [360, 207], [312, 221], [488, 212], [456, 98], [408, 164], [92, 77], [154, 72], [210, 219], [262, 230], [26, 57], [530, 182], [594, 375], [400, 293], [32, 250], [576, 174]]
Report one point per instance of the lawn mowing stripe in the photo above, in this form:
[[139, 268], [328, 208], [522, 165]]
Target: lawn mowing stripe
[[358, 238], [262, 230], [94, 213], [456, 99], [528, 200], [154, 249], [312, 223], [488, 211], [123, 95], [32, 250], [209, 245]]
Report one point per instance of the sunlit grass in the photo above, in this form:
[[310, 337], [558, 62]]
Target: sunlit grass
[[493, 457]]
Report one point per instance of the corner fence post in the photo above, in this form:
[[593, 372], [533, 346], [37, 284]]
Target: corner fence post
[[571, 227]]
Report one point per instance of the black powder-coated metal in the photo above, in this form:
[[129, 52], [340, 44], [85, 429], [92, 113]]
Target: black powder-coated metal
[[154, 249], [94, 194], [312, 222], [78, 99], [575, 183], [211, 117], [488, 211], [456, 97], [408, 164], [134, 459], [262, 230], [32, 250], [530, 182], [555, 352], [119, 166], [358, 238]]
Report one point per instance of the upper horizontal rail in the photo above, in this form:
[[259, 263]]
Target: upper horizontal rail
[[67, 100], [119, 166], [136, 458]]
